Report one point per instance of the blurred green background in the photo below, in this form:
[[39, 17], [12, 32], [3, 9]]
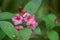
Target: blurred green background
[[12, 5]]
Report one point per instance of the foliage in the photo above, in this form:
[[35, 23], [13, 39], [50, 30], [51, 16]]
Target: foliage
[[44, 10]]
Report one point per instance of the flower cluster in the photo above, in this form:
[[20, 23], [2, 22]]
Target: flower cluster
[[24, 16]]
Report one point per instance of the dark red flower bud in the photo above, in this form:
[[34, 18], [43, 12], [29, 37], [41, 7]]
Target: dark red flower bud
[[20, 9]]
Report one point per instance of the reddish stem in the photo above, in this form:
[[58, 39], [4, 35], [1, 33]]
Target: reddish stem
[[21, 10]]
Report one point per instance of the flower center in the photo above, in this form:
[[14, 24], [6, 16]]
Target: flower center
[[17, 18], [29, 17], [31, 25]]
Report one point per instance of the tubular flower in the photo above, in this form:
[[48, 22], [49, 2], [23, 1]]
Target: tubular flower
[[27, 17], [32, 24], [17, 19]]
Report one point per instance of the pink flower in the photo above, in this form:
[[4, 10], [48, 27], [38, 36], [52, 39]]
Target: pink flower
[[17, 19], [30, 21], [19, 28], [28, 17], [26, 14], [32, 24]]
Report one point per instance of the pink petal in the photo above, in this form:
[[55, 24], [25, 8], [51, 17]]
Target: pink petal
[[26, 15], [17, 19], [32, 25], [19, 28]]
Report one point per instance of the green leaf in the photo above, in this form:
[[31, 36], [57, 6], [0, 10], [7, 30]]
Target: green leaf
[[32, 6], [8, 29], [2, 34], [41, 12], [50, 20], [37, 31], [25, 34], [52, 35], [6, 15]]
